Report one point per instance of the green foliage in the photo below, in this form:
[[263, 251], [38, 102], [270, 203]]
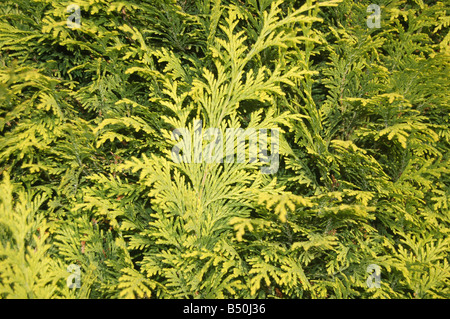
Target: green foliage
[[87, 117]]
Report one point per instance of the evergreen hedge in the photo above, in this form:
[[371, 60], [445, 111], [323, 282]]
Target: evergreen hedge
[[90, 98]]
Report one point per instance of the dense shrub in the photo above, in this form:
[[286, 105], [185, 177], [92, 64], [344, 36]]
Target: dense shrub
[[88, 117]]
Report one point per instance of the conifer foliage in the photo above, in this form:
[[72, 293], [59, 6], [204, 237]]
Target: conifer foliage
[[96, 97]]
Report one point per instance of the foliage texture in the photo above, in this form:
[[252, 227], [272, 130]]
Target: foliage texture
[[87, 175]]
